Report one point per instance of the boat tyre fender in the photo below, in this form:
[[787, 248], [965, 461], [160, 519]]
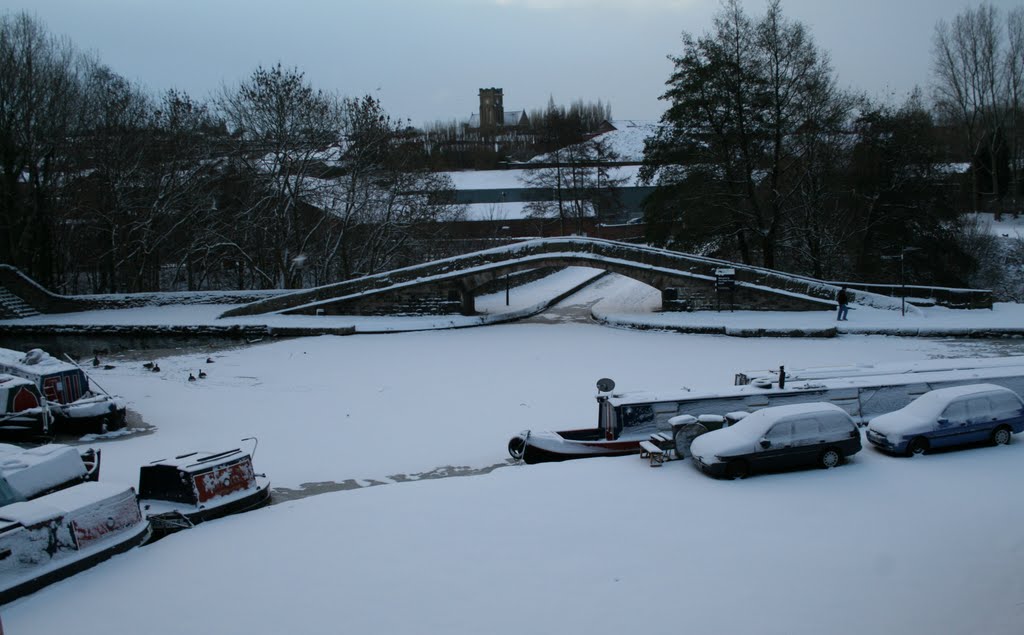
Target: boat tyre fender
[[517, 445], [684, 437]]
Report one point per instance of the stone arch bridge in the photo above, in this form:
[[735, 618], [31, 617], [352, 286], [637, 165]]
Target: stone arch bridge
[[687, 282]]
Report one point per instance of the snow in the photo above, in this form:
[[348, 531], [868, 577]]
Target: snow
[[497, 211], [62, 502], [626, 141], [513, 179], [34, 362], [371, 533], [923, 321], [741, 436], [933, 402], [524, 299], [36, 470], [1006, 227]]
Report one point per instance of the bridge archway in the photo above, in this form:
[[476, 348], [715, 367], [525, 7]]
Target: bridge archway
[[451, 285]]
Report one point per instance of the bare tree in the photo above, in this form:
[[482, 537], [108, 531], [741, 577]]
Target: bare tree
[[39, 76], [1015, 79], [973, 82], [580, 180], [283, 125], [383, 203]]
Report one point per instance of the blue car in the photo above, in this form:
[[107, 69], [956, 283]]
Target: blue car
[[947, 417]]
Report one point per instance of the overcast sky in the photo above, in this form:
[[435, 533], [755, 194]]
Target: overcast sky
[[427, 59]]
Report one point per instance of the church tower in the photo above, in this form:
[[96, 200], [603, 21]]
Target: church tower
[[492, 111]]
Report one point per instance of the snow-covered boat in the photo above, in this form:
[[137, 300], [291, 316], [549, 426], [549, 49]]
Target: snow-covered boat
[[72, 402], [30, 473], [625, 420], [52, 537], [183, 491], [22, 407]]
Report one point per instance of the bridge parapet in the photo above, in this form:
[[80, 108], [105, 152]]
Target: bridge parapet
[[451, 285], [663, 269]]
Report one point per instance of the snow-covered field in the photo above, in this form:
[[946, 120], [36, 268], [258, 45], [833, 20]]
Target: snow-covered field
[[432, 531], [1006, 227], [513, 179]]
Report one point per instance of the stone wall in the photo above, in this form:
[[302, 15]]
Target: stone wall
[[86, 340], [701, 295]]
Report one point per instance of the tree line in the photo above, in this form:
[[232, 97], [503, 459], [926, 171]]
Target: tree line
[[452, 145], [763, 158], [270, 184]]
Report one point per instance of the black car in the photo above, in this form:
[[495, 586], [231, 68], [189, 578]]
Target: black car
[[779, 438]]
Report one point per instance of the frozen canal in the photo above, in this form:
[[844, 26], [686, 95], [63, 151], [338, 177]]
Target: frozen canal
[[880, 545]]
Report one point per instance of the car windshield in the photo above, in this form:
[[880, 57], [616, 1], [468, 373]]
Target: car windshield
[[927, 406]]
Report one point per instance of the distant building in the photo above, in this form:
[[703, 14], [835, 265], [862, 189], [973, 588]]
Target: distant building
[[492, 118]]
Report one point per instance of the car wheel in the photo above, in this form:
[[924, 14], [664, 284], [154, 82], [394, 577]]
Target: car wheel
[[1001, 436], [918, 445], [830, 458], [737, 469]]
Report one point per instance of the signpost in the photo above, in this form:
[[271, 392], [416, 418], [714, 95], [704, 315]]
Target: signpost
[[725, 281]]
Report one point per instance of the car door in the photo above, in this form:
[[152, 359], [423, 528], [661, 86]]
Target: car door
[[1007, 408], [773, 448], [807, 442], [840, 431], [950, 425], [981, 420]]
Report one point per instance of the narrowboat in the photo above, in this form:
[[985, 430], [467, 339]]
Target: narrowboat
[[23, 407], [52, 537], [73, 404], [629, 418], [191, 488], [30, 473]]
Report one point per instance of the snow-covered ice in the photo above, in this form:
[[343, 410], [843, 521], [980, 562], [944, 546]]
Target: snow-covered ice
[[879, 545]]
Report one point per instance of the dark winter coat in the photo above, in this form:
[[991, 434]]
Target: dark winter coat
[[841, 297]]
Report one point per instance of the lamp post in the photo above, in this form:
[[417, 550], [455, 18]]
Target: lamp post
[[903, 284], [903, 253]]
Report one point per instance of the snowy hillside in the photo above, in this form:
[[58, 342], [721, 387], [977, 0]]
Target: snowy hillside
[[626, 141]]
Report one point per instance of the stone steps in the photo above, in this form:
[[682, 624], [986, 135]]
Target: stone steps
[[11, 306]]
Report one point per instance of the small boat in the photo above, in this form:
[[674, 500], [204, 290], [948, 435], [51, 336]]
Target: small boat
[[22, 407], [26, 474], [72, 402], [54, 536], [627, 419], [186, 490]]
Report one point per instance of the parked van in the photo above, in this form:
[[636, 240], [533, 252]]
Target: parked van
[[778, 438]]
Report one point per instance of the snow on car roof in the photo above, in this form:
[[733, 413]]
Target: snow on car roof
[[759, 421], [934, 401]]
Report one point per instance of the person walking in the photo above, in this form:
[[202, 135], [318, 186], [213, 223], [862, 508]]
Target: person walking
[[841, 299]]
